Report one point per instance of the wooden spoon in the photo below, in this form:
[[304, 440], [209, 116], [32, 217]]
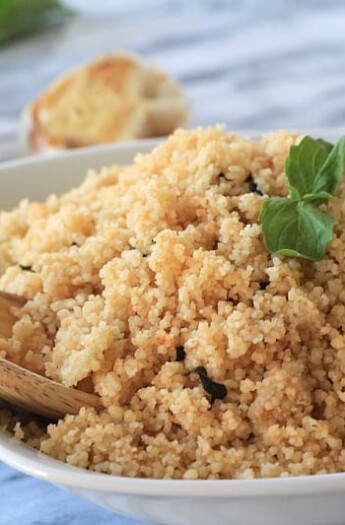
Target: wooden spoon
[[30, 391]]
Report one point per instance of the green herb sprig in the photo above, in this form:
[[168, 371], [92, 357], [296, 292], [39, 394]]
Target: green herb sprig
[[295, 226], [19, 18]]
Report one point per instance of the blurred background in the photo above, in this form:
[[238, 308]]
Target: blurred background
[[250, 64]]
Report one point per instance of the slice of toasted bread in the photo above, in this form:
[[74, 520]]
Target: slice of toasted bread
[[117, 97]]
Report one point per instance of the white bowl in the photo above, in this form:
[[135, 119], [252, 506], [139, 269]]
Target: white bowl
[[306, 500]]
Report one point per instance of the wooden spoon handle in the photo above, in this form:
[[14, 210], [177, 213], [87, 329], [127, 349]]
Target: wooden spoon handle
[[40, 395], [35, 393]]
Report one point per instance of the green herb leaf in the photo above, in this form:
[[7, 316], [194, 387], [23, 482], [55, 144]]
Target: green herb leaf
[[296, 228], [324, 144], [317, 198], [180, 353], [216, 390], [330, 174], [26, 267], [20, 18], [304, 161]]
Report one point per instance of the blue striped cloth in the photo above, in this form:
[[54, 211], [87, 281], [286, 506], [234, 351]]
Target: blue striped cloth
[[28, 501]]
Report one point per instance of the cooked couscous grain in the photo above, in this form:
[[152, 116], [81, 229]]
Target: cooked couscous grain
[[144, 276]]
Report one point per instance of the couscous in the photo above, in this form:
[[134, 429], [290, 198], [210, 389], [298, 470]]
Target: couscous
[[152, 286]]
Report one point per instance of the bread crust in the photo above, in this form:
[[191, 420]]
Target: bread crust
[[116, 97]]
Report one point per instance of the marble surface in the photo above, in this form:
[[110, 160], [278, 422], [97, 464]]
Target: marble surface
[[251, 64]]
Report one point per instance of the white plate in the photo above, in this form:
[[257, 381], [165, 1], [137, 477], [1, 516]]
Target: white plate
[[307, 500]]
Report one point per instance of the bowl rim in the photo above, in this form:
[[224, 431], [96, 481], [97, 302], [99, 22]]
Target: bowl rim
[[31, 462], [135, 145], [58, 156], [25, 459]]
